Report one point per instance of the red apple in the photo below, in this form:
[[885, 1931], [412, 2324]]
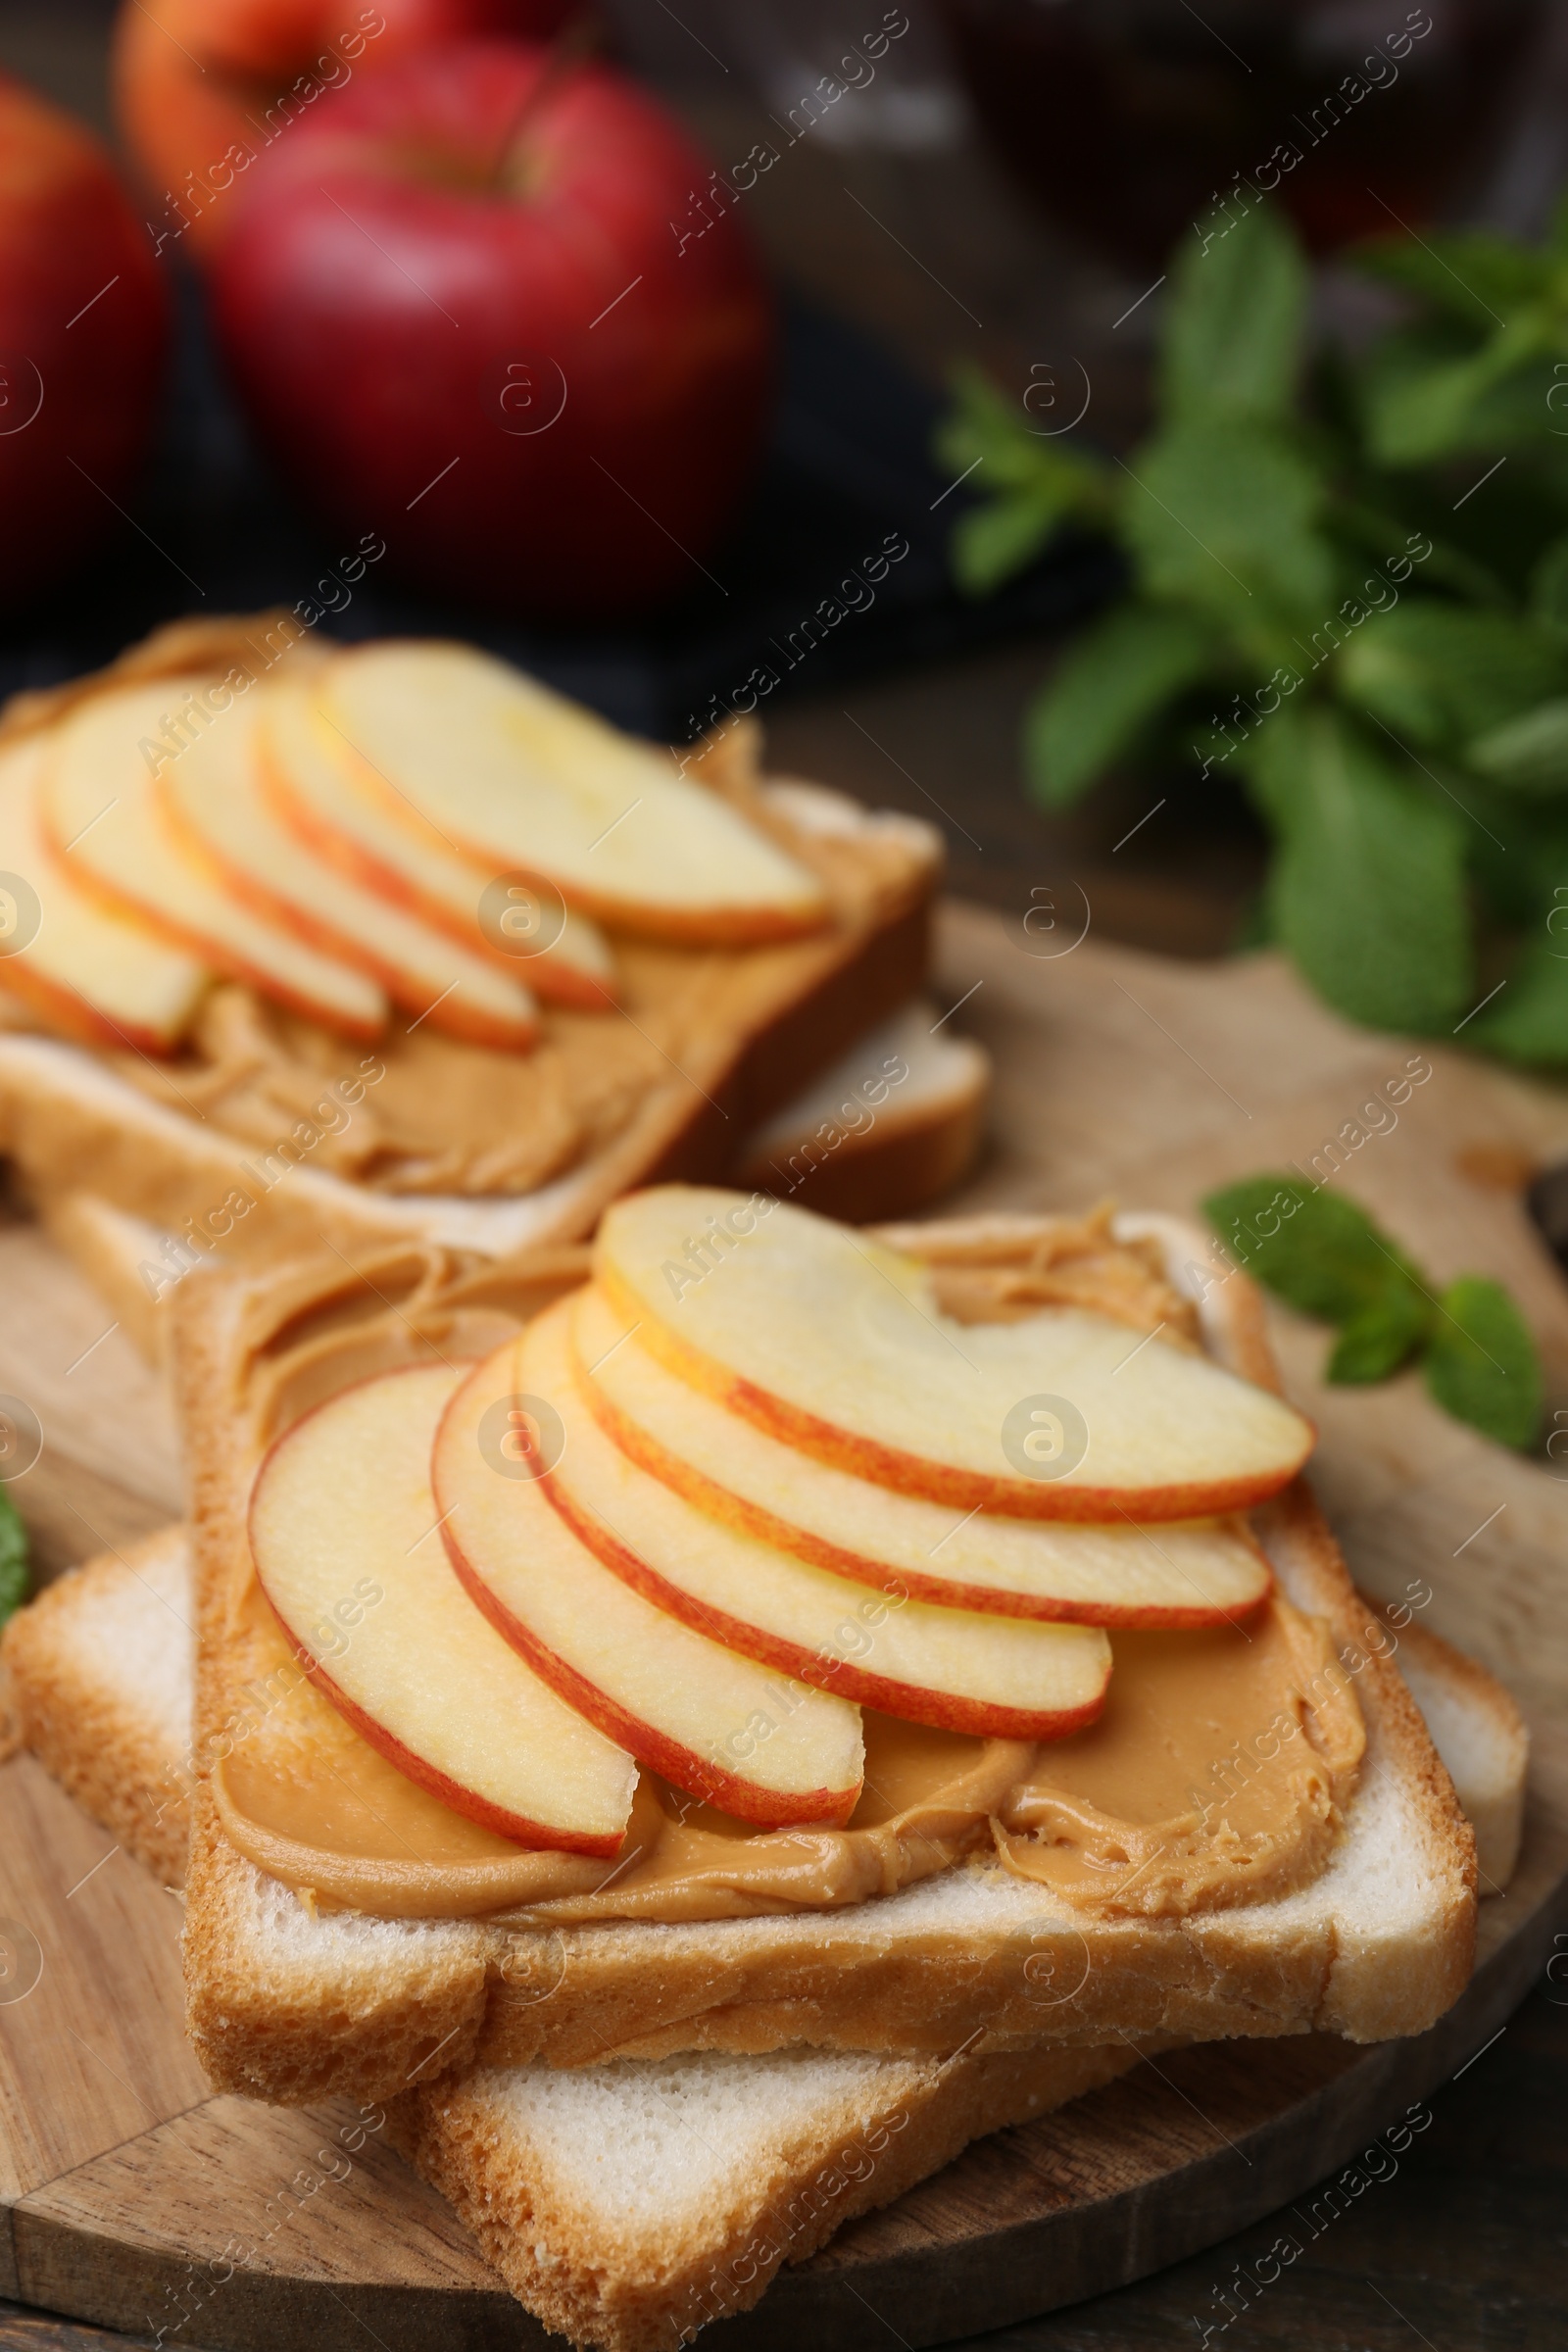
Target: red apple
[[204, 86], [473, 305], [83, 325]]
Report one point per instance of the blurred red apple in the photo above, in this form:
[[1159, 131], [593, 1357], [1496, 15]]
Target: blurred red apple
[[472, 306], [84, 327], [201, 87]]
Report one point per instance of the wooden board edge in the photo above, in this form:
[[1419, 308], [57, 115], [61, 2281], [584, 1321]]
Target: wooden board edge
[[927, 2296], [1002, 2279]]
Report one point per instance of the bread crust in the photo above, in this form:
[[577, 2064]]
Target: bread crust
[[105, 1744], [974, 1956], [909, 1157], [652, 2281], [1494, 1799]]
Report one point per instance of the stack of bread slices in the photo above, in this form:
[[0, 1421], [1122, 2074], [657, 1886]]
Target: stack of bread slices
[[607, 1606]]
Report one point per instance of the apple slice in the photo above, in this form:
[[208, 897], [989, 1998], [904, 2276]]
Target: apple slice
[[1195, 1573], [98, 977], [344, 1536], [999, 1678], [101, 815], [836, 1344], [213, 799], [523, 778], [305, 778], [761, 1748]]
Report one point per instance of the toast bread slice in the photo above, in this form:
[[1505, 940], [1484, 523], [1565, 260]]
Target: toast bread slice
[[847, 1151], [287, 2006], [749, 1028], [627, 2204], [835, 1148], [1479, 1733]]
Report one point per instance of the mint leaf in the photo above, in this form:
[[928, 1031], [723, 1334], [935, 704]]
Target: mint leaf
[[1221, 514], [1326, 1258], [1378, 1342], [1548, 590], [983, 425], [992, 543], [1031, 482], [1480, 1363], [1106, 689], [13, 1557], [1233, 337], [1316, 1250], [1528, 1021], [1527, 753], [1368, 885], [1416, 414], [1441, 674], [1473, 277]]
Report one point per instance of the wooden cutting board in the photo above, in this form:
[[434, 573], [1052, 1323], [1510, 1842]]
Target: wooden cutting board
[[124, 2181]]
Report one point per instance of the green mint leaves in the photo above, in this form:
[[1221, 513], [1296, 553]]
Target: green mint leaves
[[1327, 1258], [1481, 1362], [1235, 342], [13, 1557], [1369, 889], [1347, 593]]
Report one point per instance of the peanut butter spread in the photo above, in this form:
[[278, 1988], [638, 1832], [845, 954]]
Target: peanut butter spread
[[422, 1111], [1077, 1261], [1217, 1775]]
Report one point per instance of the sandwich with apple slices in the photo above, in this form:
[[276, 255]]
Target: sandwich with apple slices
[[706, 1621], [391, 942], [629, 2202]]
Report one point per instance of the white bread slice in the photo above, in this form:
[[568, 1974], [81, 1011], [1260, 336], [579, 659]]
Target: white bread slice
[[69, 1121], [1479, 1733], [627, 2203], [286, 2006], [892, 1125], [111, 1247], [96, 1678]]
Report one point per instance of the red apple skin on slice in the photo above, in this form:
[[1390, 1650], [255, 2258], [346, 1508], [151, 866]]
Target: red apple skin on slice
[[99, 978], [776, 1298], [432, 979], [954, 1670], [540, 767], [748, 1480], [70, 1016], [681, 1703], [343, 1496], [312, 793], [101, 817]]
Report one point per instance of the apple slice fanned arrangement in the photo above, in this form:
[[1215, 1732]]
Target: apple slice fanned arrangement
[[403, 825], [699, 1513]]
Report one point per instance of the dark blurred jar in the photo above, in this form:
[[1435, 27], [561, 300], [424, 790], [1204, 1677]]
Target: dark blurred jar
[[1130, 118]]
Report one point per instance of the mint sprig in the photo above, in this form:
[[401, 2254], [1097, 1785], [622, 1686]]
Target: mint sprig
[[1347, 590], [1328, 1258], [13, 1557]]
